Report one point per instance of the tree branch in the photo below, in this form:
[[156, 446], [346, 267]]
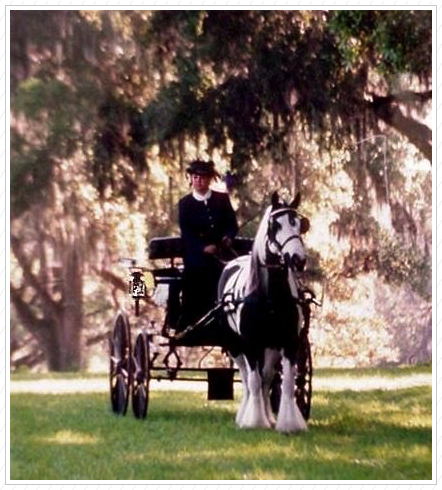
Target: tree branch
[[31, 322], [51, 305], [410, 97], [113, 279], [97, 338], [28, 360], [417, 133]]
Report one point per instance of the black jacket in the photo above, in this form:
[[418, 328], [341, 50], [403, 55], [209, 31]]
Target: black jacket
[[204, 223]]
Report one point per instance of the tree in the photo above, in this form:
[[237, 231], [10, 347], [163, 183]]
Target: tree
[[81, 190], [61, 88]]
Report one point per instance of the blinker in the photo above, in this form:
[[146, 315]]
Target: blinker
[[305, 225]]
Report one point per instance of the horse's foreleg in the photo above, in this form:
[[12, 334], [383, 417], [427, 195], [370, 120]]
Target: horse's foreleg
[[289, 418], [271, 358], [254, 413]]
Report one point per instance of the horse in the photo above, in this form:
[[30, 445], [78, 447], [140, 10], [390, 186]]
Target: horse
[[260, 293]]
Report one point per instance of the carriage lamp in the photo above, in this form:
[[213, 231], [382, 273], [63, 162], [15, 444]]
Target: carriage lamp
[[137, 287]]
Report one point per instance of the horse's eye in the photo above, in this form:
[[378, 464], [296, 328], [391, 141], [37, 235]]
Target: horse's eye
[[292, 220], [275, 227]]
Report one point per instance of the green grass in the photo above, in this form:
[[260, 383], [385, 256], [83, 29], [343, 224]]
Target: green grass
[[385, 372], [359, 436]]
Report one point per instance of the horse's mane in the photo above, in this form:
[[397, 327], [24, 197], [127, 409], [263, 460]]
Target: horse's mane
[[257, 279]]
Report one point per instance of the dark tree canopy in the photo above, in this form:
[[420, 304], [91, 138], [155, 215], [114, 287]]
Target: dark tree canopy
[[251, 77], [245, 80]]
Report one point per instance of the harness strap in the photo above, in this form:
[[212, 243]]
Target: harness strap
[[278, 211], [288, 240]]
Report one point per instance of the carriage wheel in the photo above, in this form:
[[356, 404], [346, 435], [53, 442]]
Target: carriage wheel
[[119, 395], [141, 378], [120, 365], [303, 384]]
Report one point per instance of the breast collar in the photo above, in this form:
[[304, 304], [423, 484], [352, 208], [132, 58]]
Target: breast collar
[[202, 197]]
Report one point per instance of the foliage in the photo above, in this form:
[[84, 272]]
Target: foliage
[[366, 321], [36, 146], [400, 263], [393, 41], [251, 77]]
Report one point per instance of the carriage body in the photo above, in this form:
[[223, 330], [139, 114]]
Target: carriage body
[[132, 367], [171, 249]]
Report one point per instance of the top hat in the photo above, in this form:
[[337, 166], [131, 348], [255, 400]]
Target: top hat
[[200, 167]]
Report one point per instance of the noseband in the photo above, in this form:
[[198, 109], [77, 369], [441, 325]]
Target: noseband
[[281, 246]]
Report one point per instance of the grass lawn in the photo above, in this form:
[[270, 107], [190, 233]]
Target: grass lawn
[[359, 436]]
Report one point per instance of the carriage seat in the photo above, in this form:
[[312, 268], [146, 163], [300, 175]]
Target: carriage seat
[[172, 247], [170, 277]]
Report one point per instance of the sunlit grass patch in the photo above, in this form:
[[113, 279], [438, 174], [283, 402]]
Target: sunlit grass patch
[[70, 437]]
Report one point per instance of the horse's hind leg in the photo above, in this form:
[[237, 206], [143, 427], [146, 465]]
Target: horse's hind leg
[[289, 416], [240, 361]]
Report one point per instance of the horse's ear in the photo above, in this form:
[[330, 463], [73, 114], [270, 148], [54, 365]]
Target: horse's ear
[[275, 199], [295, 203]]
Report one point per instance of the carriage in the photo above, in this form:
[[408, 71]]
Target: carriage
[[135, 360]]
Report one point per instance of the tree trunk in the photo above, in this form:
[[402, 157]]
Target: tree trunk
[[418, 134], [55, 324], [72, 317]]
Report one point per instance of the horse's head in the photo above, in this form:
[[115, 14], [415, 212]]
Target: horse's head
[[285, 230]]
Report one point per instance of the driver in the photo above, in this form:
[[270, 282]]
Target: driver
[[208, 226]]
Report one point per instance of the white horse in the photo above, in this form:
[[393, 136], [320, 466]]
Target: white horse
[[260, 294]]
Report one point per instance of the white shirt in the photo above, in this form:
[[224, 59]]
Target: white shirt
[[202, 197]]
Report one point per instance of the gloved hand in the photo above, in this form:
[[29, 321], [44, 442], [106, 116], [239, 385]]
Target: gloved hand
[[210, 249], [226, 242]]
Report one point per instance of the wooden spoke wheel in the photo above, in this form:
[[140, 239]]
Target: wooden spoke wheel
[[120, 368], [141, 377], [303, 383]]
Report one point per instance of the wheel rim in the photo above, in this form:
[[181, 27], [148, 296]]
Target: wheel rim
[[303, 388], [120, 367], [119, 395], [141, 378]]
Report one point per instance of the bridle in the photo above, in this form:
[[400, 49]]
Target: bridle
[[271, 236]]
